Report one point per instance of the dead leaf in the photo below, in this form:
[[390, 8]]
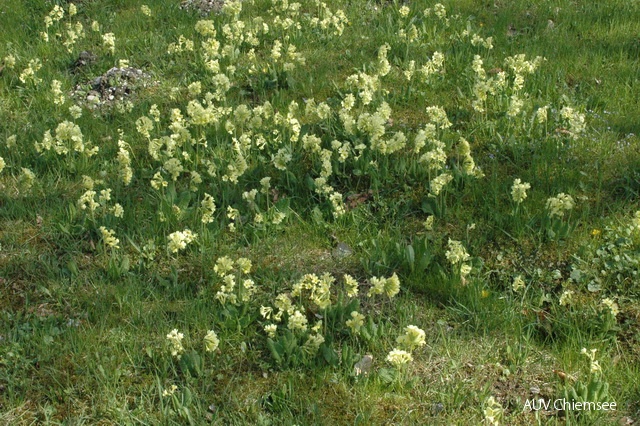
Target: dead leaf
[[363, 366]]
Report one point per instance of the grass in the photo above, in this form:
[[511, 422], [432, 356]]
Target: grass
[[85, 318]]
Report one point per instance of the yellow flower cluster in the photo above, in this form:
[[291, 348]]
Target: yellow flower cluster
[[493, 411], [211, 341], [109, 41], [612, 306], [412, 338], [29, 73], [356, 322], [566, 298], [56, 14], [457, 255], [124, 163], [235, 288], [26, 180], [88, 202], [388, 286], [468, 164], [179, 240], [574, 120], [398, 358], [318, 290], [594, 365], [331, 22], [559, 204], [68, 137], [519, 190], [56, 91], [175, 340], [109, 238], [484, 86], [518, 283], [208, 207]]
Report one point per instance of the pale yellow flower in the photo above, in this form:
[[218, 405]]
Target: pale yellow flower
[[559, 204], [109, 41], [178, 240], [399, 358], [519, 190], [175, 340], [211, 341], [297, 322], [271, 330], [109, 239], [412, 338], [612, 306], [518, 283], [566, 298], [351, 285], [356, 322], [170, 391]]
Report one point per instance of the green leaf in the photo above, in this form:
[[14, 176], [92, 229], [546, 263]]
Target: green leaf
[[329, 355], [387, 375], [275, 353], [192, 363]]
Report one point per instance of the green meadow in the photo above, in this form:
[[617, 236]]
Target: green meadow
[[268, 212]]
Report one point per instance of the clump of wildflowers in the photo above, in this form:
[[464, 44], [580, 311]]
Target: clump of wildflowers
[[26, 180], [109, 41], [297, 322], [318, 289], [169, 391], [467, 161], [178, 240], [56, 91], [398, 358], [559, 204], [519, 190], [235, 287], [594, 366], [9, 61], [493, 411], [211, 341], [351, 285], [574, 120], [312, 344], [124, 162], [456, 253], [29, 73], [175, 341], [612, 306], [356, 322], [566, 298], [271, 330], [542, 114], [75, 111], [439, 182], [68, 137], [208, 207], [518, 283], [389, 286], [412, 338], [109, 239]]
